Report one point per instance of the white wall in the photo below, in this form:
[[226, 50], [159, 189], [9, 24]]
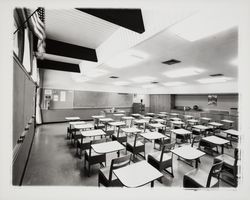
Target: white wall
[[145, 97]]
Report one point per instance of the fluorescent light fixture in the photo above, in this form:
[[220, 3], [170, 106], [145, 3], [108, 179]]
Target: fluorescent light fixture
[[191, 71], [94, 73], [234, 62], [127, 59], [149, 86], [121, 83], [204, 24], [173, 83], [143, 79], [81, 79], [214, 80]]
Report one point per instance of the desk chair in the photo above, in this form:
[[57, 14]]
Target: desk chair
[[207, 145], [109, 133], [92, 157], [197, 178], [229, 167], [163, 159], [136, 147], [82, 145], [75, 136], [105, 175], [120, 137], [167, 140]]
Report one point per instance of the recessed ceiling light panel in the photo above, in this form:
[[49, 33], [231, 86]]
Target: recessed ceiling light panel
[[143, 79], [190, 71], [214, 80], [121, 83], [174, 83]]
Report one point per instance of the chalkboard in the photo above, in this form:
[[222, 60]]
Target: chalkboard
[[101, 99]]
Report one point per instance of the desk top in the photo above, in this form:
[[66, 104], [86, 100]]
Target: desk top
[[181, 131], [107, 147], [118, 114], [174, 114], [227, 121], [150, 113], [140, 121], [137, 174], [146, 117], [128, 118], [175, 119], [206, 118], [77, 122], [106, 120], [93, 133], [153, 135], [83, 126], [165, 113], [215, 124], [177, 122], [188, 116], [215, 140], [201, 127], [72, 118], [188, 153], [131, 130], [158, 125], [98, 116], [232, 132], [159, 120], [136, 114], [117, 123], [192, 120]]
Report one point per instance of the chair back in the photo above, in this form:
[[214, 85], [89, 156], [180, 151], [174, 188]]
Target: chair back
[[214, 172], [236, 156], [96, 142], [166, 149], [196, 139], [118, 163]]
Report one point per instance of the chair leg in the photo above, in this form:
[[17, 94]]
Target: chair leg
[[89, 170]]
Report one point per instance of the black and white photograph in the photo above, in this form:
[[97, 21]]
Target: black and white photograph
[[110, 98]]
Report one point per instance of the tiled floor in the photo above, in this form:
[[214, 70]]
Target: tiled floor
[[53, 162]]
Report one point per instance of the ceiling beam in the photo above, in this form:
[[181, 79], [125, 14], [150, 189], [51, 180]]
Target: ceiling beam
[[127, 18], [55, 65], [69, 50]]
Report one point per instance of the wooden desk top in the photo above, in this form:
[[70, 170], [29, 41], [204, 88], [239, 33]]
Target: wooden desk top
[[227, 121], [188, 153], [107, 147], [92, 133], [215, 140], [177, 122], [165, 113], [152, 135], [77, 122], [181, 131], [188, 116], [175, 119], [150, 113], [106, 119], [232, 132], [158, 125], [201, 127], [215, 124], [159, 120], [128, 118], [72, 118], [140, 121], [146, 117], [137, 174], [131, 130], [117, 123], [98, 116], [136, 114], [193, 121], [83, 126], [174, 114], [205, 118], [118, 114]]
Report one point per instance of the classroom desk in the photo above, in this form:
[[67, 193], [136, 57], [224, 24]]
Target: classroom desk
[[127, 118], [188, 116], [72, 118], [181, 132], [83, 126], [117, 124], [215, 124], [72, 123], [131, 130], [105, 121], [107, 147], [174, 114], [175, 119], [229, 122], [118, 115], [157, 126], [165, 113], [192, 121], [216, 141], [188, 153], [177, 123], [92, 133], [200, 128], [146, 118], [137, 174], [97, 118], [141, 121], [205, 118], [136, 115], [152, 136], [232, 132], [150, 114], [159, 120], [162, 115]]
